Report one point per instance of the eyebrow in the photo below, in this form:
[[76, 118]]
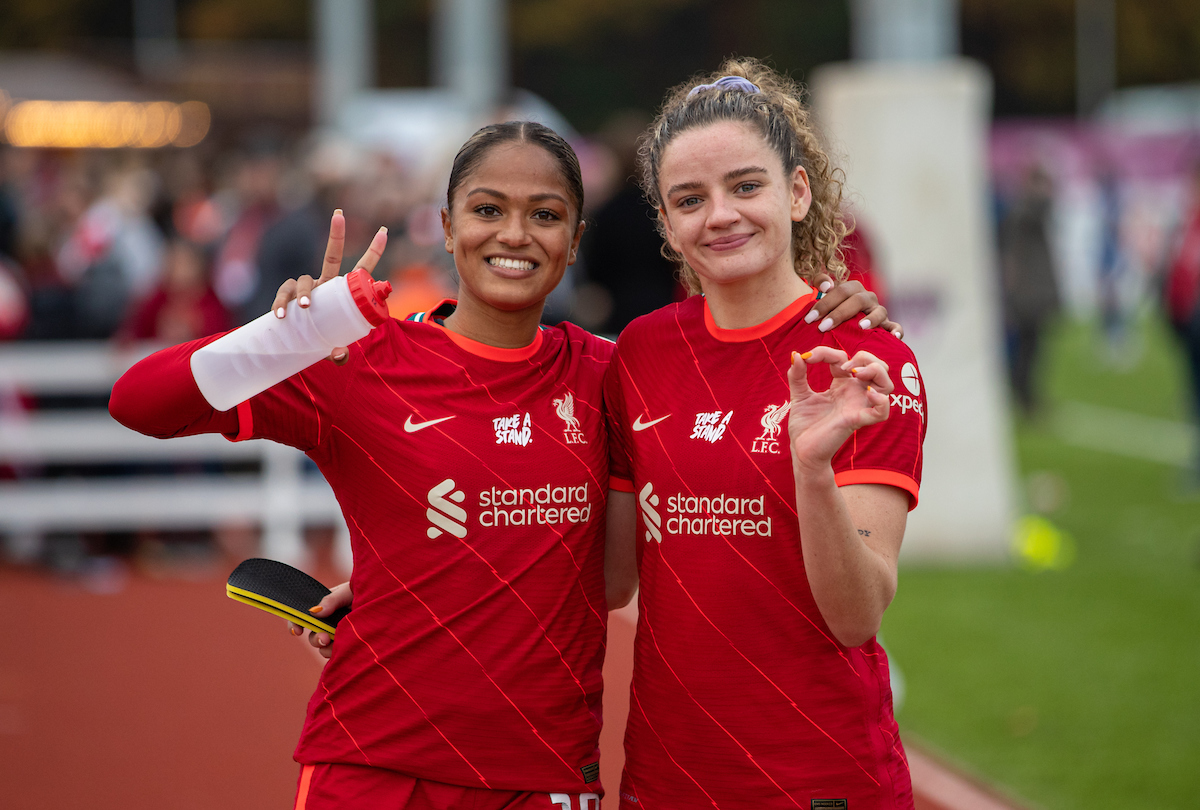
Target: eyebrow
[[502, 196], [730, 175]]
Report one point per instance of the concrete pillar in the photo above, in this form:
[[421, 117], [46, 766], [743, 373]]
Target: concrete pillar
[[345, 54], [904, 30], [1095, 53], [912, 139], [471, 51], [155, 46]]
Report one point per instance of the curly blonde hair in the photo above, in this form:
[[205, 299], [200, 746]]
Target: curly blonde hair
[[779, 113]]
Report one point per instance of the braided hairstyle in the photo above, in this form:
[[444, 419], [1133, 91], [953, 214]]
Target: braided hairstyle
[[777, 111]]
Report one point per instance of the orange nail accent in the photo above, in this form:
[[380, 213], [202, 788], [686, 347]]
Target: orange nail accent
[[855, 371], [794, 357], [316, 609], [806, 355]]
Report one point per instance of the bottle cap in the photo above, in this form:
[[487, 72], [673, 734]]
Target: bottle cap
[[370, 295]]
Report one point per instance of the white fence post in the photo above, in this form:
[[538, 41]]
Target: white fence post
[[281, 496], [283, 539]]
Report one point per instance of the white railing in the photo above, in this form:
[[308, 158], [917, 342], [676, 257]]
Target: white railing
[[281, 498]]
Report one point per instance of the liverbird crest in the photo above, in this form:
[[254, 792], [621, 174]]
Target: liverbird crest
[[773, 416], [565, 408]]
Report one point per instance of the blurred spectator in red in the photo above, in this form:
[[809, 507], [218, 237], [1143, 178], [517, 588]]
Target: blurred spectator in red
[[190, 208], [184, 306], [418, 284], [113, 253], [253, 208], [860, 262], [1182, 293], [14, 293], [14, 299]]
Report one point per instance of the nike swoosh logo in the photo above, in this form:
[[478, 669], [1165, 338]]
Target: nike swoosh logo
[[412, 427], [638, 424]]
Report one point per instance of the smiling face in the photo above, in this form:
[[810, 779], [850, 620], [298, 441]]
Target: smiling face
[[512, 228], [728, 206]]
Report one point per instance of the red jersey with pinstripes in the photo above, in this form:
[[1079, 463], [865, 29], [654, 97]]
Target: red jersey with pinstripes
[[474, 482], [741, 696]]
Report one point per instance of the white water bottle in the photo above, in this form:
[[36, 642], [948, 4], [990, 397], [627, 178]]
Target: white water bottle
[[268, 350]]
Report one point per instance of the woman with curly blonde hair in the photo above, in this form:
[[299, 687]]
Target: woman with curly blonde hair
[[774, 460]]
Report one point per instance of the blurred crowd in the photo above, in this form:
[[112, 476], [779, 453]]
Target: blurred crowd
[[1099, 222], [173, 245]]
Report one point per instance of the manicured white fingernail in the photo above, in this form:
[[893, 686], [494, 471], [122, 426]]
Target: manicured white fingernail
[[811, 316], [337, 212], [826, 286], [383, 229], [826, 325], [865, 323], [897, 334], [304, 301], [279, 313]]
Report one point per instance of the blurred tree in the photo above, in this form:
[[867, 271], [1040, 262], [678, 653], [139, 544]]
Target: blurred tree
[[549, 23], [60, 23], [1158, 41], [1030, 47], [626, 53], [403, 44], [34, 24], [592, 58], [237, 19]]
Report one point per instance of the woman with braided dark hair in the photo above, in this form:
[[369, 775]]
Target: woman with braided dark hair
[[774, 460]]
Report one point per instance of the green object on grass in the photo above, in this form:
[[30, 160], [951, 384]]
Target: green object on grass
[[1039, 545]]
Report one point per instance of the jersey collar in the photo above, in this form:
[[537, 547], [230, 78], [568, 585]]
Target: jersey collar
[[444, 308], [759, 330]]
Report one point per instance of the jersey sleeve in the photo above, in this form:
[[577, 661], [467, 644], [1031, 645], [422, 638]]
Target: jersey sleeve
[[300, 411], [889, 452], [158, 396], [620, 469]]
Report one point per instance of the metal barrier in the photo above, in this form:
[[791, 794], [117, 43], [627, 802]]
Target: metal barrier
[[281, 498]]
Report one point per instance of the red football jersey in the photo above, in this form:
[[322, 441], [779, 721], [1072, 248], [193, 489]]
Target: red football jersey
[[474, 483], [741, 696]]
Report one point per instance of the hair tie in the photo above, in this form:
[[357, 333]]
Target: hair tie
[[727, 83]]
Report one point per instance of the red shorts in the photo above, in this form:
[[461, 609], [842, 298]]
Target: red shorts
[[354, 787]]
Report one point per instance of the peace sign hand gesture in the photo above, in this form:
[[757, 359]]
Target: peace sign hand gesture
[[819, 422], [301, 288]]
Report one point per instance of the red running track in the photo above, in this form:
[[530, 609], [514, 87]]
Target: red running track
[[128, 691]]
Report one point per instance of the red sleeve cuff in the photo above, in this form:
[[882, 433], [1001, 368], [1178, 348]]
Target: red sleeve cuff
[[888, 477], [245, 417], [620, 484]]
